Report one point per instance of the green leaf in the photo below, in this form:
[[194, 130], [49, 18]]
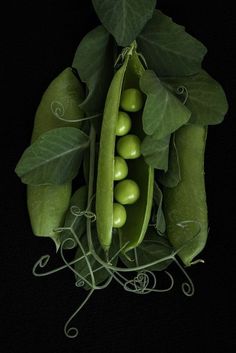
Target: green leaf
[[154, 247], [160, 219], [163, 113], [79, 202], [205, 97], [172, 176], [156, 152], [168, 49], [124, 19], [54, 158], [81, 266], [94, 63]]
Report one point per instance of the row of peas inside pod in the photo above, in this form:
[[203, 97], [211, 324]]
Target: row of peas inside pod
[[128, 147]]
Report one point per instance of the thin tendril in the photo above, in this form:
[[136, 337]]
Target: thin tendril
[[182, 90], [58, 110], [43, 261], [72, 332], [187, 288], [86, 259], [76, 211], [140, 55]]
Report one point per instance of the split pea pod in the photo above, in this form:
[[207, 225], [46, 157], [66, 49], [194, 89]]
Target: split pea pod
[[47, 204], [185, 205], [142, 175]]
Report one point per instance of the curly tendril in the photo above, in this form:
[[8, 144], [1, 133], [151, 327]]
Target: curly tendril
[[140, 283], [187, 287], [182, 91], [78, 212], [72, 332], [58, 110]]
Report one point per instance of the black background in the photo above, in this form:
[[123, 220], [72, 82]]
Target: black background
[[39, 41]]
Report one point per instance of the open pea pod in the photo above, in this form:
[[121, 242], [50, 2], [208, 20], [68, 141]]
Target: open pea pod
[[185, 206], [59, 107], [138, 214]]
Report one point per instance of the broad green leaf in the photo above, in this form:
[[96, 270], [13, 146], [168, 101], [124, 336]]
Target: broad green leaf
[[94, 63], [154, 247], [78, 203], [168, 49], [172, 177], [124, 19], [54, 158], [160, 219], [81, 266], [205, 97], [163, 113], [156, 152]]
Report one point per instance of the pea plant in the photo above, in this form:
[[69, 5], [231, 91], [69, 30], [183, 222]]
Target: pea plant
[[127, 123]]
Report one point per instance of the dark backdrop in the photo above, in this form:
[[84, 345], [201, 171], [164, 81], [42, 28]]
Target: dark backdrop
[[38, 41]]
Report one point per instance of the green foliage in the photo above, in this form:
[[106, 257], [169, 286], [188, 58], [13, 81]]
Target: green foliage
[[94, 62], [205, 97], [168, 49], [124, 19], [163, 113], [156, 152], [54, 158]]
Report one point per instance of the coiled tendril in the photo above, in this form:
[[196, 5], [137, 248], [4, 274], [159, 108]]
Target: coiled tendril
[[182, 91], [58, 110]]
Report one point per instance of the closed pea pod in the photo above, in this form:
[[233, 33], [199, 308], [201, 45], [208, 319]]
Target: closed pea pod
[[185, 205], [47, 204], [131, 233]]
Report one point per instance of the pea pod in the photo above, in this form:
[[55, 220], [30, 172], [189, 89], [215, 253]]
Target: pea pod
[[185, 205], [47, 204], [138, 214]]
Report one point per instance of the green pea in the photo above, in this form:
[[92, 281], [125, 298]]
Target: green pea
[[129, 147], [47, 204], [119, 215], [123, 124], [120, 168], [185, 205], [131, 100], [127, 192]]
